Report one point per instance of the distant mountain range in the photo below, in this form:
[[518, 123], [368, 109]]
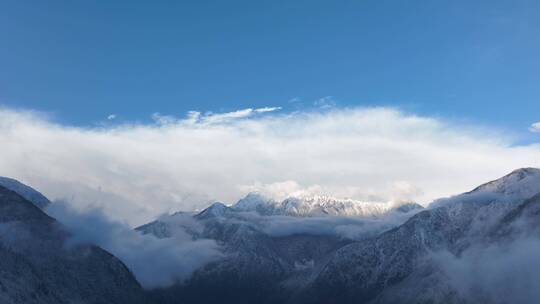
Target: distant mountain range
[[318, 205], [315, 249]]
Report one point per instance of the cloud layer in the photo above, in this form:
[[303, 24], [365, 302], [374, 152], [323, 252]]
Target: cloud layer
[[353, 228], [506, 273], [136, 172], [155, 262]]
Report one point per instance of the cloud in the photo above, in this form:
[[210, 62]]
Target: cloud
[[282, 190], [111, 117], [225, 117], [155, 262], [326, 102], [267, 109], [535, 127], [354, 228], [135, 172], [505, 273], [295, 100]]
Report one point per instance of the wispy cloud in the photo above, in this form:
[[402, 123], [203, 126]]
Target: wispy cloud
[[155, 262], [502, 273], [535, 127], [111, 117], [138, 171], [326, 102], [195, 117], [295, 100]]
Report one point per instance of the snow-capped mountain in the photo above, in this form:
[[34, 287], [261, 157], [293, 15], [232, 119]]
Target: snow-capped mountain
[[316, 205], [272, 249], [37, 267], [217, 209], [297, 207]]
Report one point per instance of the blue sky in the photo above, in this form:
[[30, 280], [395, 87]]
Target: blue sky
[[84, 60]]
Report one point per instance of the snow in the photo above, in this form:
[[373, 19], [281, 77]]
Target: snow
[[520, 184], [217, 209], [316, 205]]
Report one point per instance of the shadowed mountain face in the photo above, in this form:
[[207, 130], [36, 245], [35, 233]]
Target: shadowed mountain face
[[36, 266]]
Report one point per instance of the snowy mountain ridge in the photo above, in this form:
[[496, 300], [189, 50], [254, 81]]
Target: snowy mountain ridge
[[521, 183], [316, 205]]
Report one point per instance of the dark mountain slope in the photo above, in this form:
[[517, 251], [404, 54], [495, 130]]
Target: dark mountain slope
[[36, 265]]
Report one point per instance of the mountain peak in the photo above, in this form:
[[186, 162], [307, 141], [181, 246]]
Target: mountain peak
[[252, 202], [524, 172], [216, 209], [523, 183]]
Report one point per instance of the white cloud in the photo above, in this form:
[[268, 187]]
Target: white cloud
[[136, 172], [295, 100], [111, 117], [535, 127], [225, 117], [194, 117], [267, 109], [502, 273]]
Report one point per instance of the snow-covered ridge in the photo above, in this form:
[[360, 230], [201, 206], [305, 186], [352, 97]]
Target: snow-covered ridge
[[215, 210], [316, 205], [509, 190]]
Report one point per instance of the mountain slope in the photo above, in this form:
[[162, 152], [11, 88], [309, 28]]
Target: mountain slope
[[398, 262], [256, 267], [37, 267]]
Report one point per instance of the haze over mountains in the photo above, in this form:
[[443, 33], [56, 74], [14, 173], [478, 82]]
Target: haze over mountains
[[136, 172], [477, 247]]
